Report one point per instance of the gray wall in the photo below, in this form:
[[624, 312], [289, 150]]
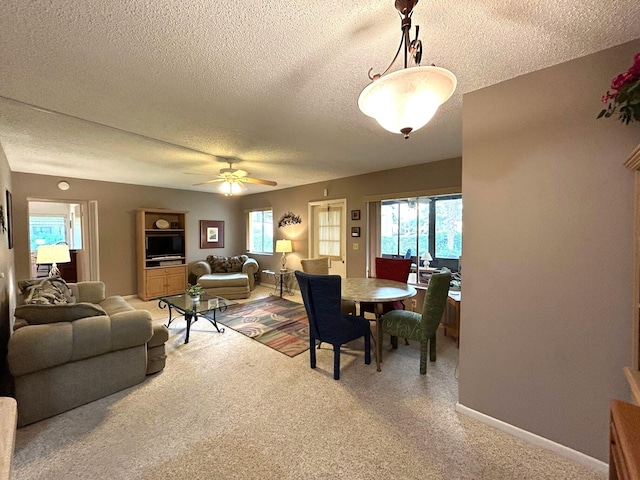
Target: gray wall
[[427, 176], [7, 284], [547, 255]]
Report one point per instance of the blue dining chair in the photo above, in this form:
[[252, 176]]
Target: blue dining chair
[[321, 295], [420, 327]]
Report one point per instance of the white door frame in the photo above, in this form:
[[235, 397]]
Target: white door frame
[[89, 265], [334, 268]]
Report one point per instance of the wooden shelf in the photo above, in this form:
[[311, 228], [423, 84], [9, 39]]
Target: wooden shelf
[[154, 279], [633, 377], [624, 456]]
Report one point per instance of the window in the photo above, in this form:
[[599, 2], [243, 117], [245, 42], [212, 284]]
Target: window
[[46, 230], [329, 230], [261, 231], [448, 228], [414, 226]]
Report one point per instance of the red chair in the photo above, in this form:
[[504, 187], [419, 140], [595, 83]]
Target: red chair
[[397, 269]]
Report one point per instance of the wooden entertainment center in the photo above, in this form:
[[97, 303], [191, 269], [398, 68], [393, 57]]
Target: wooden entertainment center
[[624, 438], [161, 255]]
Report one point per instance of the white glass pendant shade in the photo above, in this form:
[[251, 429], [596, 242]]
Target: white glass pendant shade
[[405, 100], [230, 188]]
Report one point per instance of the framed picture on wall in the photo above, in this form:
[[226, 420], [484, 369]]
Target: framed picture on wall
[[355, 231], [355, 214], [211, 234], [10, 219]]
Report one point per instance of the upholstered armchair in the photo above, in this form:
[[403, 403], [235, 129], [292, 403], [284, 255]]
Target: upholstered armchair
[[227, 277], [420, 327], [397, 269], [320, 266], [321, 296]]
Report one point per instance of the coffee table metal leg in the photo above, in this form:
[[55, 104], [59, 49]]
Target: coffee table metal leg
[[213, 321], [188, 317]]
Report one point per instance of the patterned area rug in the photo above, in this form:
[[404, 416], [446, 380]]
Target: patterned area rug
[[276, 322]]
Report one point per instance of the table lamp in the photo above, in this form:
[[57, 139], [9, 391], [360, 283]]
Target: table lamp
[[284, 247], [426, 258], [53, 254]]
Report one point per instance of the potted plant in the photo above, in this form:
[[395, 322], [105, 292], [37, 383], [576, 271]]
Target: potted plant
[[194, 291]]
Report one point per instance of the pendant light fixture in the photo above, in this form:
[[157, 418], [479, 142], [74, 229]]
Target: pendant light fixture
[[405, 100]]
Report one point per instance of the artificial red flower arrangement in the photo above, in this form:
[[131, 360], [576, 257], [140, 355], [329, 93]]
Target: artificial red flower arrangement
[[624, 96]]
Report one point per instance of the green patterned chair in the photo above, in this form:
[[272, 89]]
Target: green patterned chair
[[420, 327]]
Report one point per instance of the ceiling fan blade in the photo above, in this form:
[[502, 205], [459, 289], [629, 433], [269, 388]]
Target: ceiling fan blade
[[209, 181], [259, 181]]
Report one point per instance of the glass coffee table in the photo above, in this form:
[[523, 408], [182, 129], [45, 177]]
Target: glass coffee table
[[192, 310]]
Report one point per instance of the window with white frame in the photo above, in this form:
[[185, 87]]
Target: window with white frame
[[329, 233], [413, 226], [260, 231]]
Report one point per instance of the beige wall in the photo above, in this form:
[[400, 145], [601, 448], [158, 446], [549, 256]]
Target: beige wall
[[547, 254], [7, 284], [427, 176]]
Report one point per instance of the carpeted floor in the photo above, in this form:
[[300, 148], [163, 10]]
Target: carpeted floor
[[227, 407]]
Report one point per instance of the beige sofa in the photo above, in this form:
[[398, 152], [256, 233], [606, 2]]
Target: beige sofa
[[227, 277], [77, 348]]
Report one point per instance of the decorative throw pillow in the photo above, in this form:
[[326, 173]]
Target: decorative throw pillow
[[234, 264], [218, 263], [46, 291], [67, 312]]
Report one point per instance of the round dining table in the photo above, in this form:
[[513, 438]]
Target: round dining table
[[378, 291]]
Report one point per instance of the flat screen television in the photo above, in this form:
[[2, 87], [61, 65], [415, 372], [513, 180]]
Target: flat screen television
[[164, 246]]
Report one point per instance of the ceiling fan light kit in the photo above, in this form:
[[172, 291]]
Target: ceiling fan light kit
[[405, 100], [233, 180]]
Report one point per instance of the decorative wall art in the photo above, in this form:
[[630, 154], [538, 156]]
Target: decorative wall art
[[211, 234], [9, 218], [289, 218], [355, 215], [355, 231]]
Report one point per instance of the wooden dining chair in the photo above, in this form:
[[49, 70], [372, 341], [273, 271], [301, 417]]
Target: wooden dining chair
[[420, 327], [397, 269], [321, 296]]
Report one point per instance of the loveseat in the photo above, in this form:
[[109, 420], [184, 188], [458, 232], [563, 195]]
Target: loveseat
[[227, 277], [71, 345]]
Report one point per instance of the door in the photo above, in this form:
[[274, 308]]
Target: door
[[328, 234]]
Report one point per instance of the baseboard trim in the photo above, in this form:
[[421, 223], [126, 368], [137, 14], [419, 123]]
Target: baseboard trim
[[534, 439]]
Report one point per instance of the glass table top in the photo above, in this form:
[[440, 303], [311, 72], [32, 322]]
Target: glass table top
[[206, 303]]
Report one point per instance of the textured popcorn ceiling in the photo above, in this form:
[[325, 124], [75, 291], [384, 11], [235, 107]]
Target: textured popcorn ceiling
[[147, 90]]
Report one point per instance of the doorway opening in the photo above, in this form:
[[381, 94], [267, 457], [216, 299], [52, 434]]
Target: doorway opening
[[72, 223]]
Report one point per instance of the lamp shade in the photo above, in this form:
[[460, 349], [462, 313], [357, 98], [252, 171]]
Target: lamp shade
[[405, 100], [230, 188], [53, 254], [284, 246], [426, 256]]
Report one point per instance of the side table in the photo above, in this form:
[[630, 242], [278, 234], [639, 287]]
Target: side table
[[280, 278]]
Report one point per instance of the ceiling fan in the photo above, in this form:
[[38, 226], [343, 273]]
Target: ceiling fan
[[233, 180]]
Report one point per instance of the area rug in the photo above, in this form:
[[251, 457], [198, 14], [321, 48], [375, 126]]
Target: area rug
[[276, 322]]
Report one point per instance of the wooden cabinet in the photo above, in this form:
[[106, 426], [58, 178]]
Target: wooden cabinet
[[161, 252], [624, 455], [451, 317], [633, 372], [164, 281]]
